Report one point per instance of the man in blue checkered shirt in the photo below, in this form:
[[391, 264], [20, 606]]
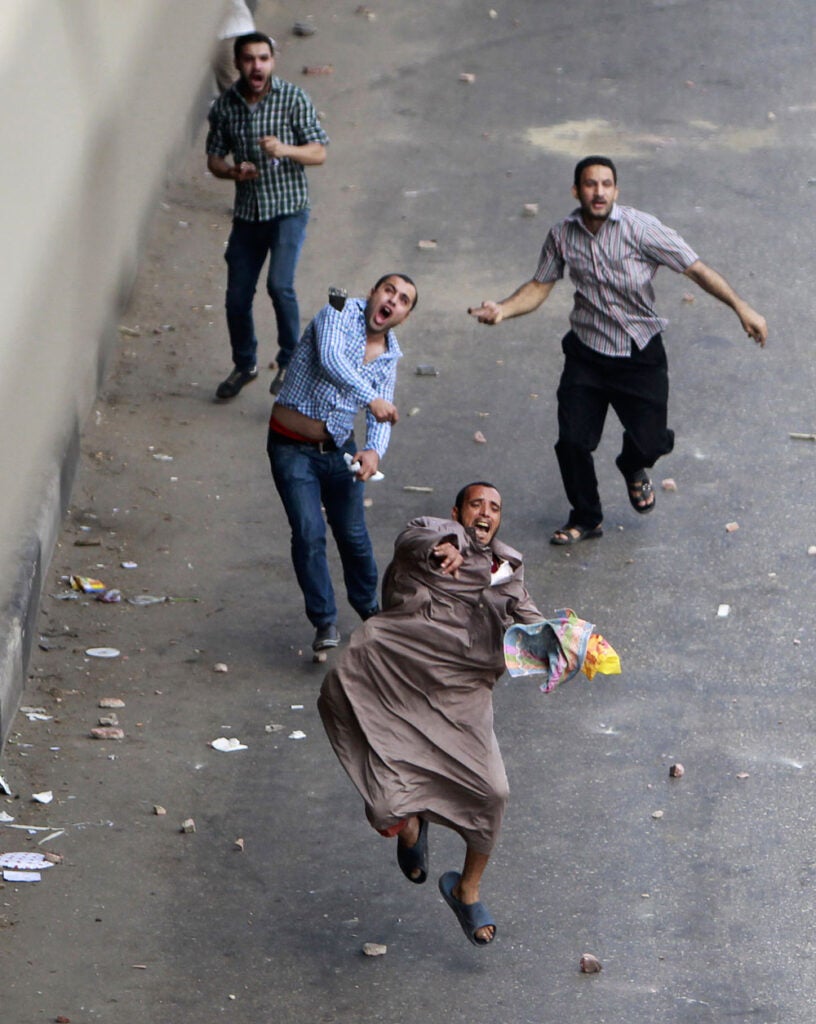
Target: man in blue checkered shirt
[[271, 128], [346, 361]]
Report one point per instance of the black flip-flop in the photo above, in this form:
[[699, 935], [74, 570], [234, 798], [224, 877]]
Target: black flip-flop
[[641, 479], [562, 535], [471, 916], [410, 858]]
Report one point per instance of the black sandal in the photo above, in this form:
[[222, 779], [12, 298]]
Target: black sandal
[[564, 534], [640, 488]]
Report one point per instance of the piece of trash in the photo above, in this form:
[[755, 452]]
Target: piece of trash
[[107, 732], [479, 437], [657, 815], [43, 798], [238, 844], [102, 652], [803, 437], [731, 527], [319, 657], [107, 720], [354, 467], [273, 727], [426, 243], [426, 370], [220, 666], [590, 964], [188, 825], [53, 858], [669, 484], [529, 210], [130, 565], [812, 549], [37, 716], [414, 410], [417, 489], [226, 744], [298, 734], [25, 861], [467, 76], [4, 786], [723, 610], [4, 816], [676, 771], [374, 949], [492, 14], [110, 702], [368, 502], [110, 596], [743, 775], [161, 457], [337, 297], [159, 810], [296, 707], [303, 28], [143, 600], [87, 585], [129, 332], [21, 876], [318, 69]]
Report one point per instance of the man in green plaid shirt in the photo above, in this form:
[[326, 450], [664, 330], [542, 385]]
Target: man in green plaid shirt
[[272, 130]]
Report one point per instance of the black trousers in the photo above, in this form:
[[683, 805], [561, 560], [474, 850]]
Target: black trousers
[[637, 388]]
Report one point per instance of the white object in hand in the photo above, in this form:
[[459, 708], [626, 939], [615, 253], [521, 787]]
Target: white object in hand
[[354, 467]]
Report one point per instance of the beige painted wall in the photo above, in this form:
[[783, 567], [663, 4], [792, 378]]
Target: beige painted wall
[[96, 96]]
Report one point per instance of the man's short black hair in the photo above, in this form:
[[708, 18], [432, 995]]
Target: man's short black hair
[[460, 497], [592, 161], [402, 277], [251, 37]]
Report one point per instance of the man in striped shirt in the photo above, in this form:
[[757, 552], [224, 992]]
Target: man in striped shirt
[[346, 361], [614, 351], [271, 128]]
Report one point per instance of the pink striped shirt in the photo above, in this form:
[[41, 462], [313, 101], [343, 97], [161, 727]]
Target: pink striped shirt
[[612, 273]]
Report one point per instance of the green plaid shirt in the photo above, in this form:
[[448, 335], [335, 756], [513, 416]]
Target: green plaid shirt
[[236, 126]]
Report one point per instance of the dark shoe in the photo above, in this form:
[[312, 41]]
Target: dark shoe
[[371, 611], [230, 387], [641, 492], [572, 534], [415, 858], [325, 637], [277, 381]]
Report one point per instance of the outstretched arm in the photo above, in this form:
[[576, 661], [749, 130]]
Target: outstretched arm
[[715, 284], [523, 300]]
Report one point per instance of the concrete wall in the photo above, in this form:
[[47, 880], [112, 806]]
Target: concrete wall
[[96, 96]]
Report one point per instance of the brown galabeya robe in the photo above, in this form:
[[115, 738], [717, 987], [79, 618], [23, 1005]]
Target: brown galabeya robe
[[408, 706]]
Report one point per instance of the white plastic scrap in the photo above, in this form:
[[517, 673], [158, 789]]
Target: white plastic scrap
[[225, 744]]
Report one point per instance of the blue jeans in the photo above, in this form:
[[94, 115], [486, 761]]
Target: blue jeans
[[305, 477], [249, 242]]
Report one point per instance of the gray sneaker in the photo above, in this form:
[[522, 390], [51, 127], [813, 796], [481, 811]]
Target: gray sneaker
[[277, 381], [230, 387], [325, 637]]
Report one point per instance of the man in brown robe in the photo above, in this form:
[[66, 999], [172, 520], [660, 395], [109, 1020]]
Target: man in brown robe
[[408, 707]]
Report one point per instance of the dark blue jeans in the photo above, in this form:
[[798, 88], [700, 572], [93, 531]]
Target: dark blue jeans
[[305, 477], [247, 249]]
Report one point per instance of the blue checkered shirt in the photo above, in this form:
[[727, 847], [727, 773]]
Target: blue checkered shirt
[[329, 380], [612, 273], [237, 126]]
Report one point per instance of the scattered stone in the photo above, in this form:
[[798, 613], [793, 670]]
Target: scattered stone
[[479, 437], [273, 727], [657, 815], [129, 332], [676, 771], [319, 657], [669, 484], [688, 298], [812, 549], [467, 76], [731, 527], [159, 810], [111, 702], [590, 964], [492, 14], [426, 243], [107, 732], [418, 489], [219, 666], [365, 12], [743, 775], [318, 69], [238, 845], [303, 28], [529, 210], [723, 610], [426, 370], [188, 825], [374, 949], [43, 798], [413, 411], [53, 858], [298, 734]]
